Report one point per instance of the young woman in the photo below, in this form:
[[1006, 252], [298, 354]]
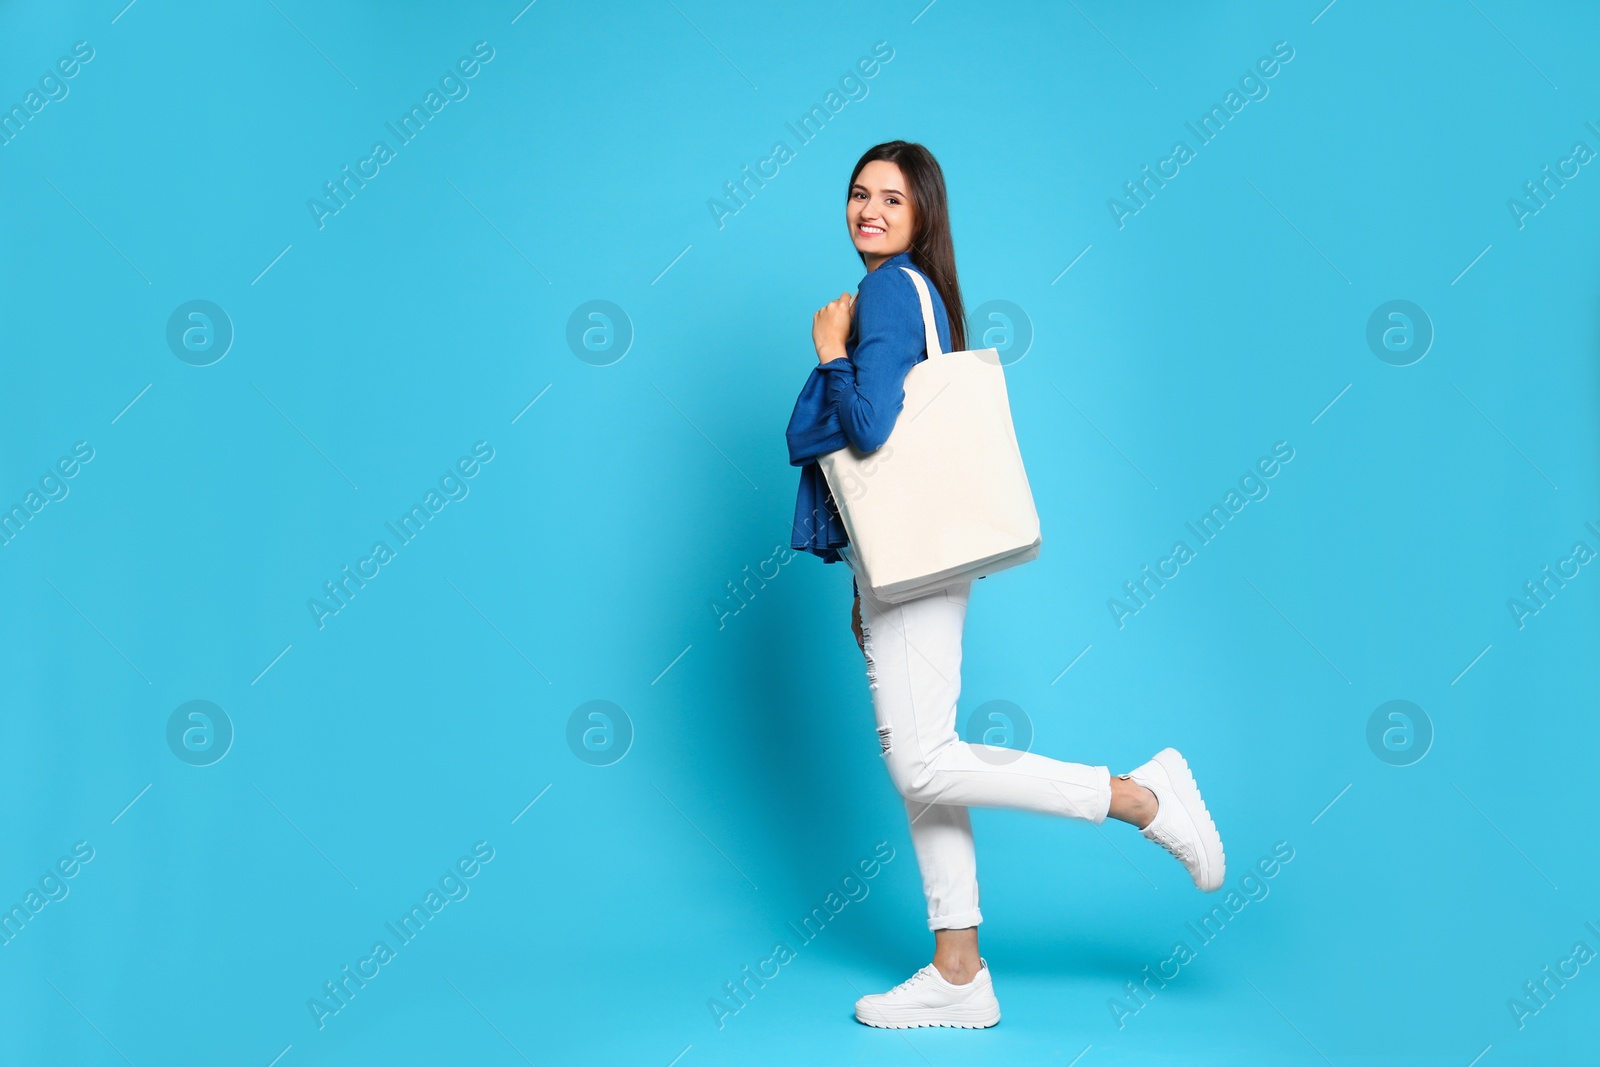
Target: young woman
[[897, 216]]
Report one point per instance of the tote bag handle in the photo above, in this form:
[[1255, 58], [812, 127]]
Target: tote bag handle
[[930, 330]]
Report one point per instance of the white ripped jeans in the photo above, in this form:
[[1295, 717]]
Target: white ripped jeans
[[913, 654]]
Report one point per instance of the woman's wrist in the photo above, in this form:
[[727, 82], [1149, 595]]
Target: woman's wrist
[[829, 353]]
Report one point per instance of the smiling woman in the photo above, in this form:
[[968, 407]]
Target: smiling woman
[[908, 309]]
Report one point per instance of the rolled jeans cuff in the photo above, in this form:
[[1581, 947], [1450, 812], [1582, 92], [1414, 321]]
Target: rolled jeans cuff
[[1103, 806], [956, 921]]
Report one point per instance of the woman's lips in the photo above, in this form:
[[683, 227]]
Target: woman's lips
[[869, 231]]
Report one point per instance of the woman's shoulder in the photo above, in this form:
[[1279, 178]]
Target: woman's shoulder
[[895, 288], [888, 278], [891, 283]]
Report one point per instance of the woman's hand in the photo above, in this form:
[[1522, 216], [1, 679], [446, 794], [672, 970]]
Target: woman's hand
[[830, 327], [855, 624]]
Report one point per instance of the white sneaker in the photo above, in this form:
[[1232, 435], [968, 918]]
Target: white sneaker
[[1182, 825], [926, 999]]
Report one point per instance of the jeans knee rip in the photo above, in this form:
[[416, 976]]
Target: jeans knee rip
[[884, 733], [866, 650]]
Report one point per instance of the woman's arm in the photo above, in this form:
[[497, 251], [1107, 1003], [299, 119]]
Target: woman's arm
[[868, 388]]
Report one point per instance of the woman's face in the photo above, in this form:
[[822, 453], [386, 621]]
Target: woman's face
[[881, 218]]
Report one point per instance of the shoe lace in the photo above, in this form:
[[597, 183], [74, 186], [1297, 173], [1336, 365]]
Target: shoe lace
[[909, 982], [1179, 848]]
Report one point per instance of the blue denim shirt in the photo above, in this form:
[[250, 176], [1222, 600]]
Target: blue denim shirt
[[856, 400]]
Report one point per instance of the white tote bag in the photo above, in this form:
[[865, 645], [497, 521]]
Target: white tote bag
[[945, 499]]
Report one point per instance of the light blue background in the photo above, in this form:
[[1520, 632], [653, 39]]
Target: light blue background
[[584, 565]]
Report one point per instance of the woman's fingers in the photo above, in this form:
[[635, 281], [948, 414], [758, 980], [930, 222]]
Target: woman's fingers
[[843, 301]]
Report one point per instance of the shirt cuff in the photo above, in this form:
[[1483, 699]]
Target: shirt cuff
[[839, 380]]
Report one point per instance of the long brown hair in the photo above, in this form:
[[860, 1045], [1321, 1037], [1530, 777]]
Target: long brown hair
[[932, 249]]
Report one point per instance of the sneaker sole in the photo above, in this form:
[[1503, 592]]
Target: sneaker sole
[[908, 1019], [1180, 779]]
